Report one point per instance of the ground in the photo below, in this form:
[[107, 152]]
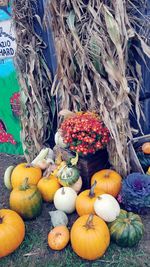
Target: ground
[[34, 250]]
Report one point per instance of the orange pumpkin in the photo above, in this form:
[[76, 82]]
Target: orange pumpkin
[[85, 200], [22, 171], [58, 237], [47, 187], [146, 148], [90, 237], [107, 180], [12, 231]]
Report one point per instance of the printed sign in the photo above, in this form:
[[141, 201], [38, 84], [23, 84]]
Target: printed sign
[[7, 40]]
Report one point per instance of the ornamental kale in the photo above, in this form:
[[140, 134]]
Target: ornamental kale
[[135, 193]]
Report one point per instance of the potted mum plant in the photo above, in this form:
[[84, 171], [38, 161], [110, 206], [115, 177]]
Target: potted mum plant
[[84, 133]]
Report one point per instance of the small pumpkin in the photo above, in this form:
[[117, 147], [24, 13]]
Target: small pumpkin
[[146, 148], [48, 187], [127, 229], [23, 170], [12, 231], [86, 199], [68, 176], [107, 180], [58, 237], [107, 207], [65, 199], [90, 237], [58, 217], [78, 185], [26, 200]]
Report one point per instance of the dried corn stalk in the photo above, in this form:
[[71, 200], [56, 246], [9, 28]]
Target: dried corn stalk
[[92, 41], [34, 78]]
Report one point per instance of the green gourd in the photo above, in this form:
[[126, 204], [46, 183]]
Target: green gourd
[[68, 176], [127, 229]]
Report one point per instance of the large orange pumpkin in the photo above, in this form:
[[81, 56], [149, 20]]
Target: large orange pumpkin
[[12, 231], [22, 171], [107, 180], [48, 187], [85, 200], [90, 237], [58, 237]]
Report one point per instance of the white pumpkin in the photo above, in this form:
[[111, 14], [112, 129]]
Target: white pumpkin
[[65, 199], [59, 140], [107, 207]]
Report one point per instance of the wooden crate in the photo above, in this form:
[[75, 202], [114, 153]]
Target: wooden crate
[[88, 165], [133, 145]]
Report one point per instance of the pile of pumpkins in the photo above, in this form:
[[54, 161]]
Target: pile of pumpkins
[[100, 217]]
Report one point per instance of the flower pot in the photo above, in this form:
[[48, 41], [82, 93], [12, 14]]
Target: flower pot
[[89, 164]]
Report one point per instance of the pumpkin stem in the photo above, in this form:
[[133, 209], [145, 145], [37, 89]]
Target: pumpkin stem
[[106, 175], [28, 165], [91, 193], [127, 220], [25, 185], [89, 223], [63, 191]]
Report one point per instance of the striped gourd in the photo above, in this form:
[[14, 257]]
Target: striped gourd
[[68, 176], [127, 229], [26, 200]]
